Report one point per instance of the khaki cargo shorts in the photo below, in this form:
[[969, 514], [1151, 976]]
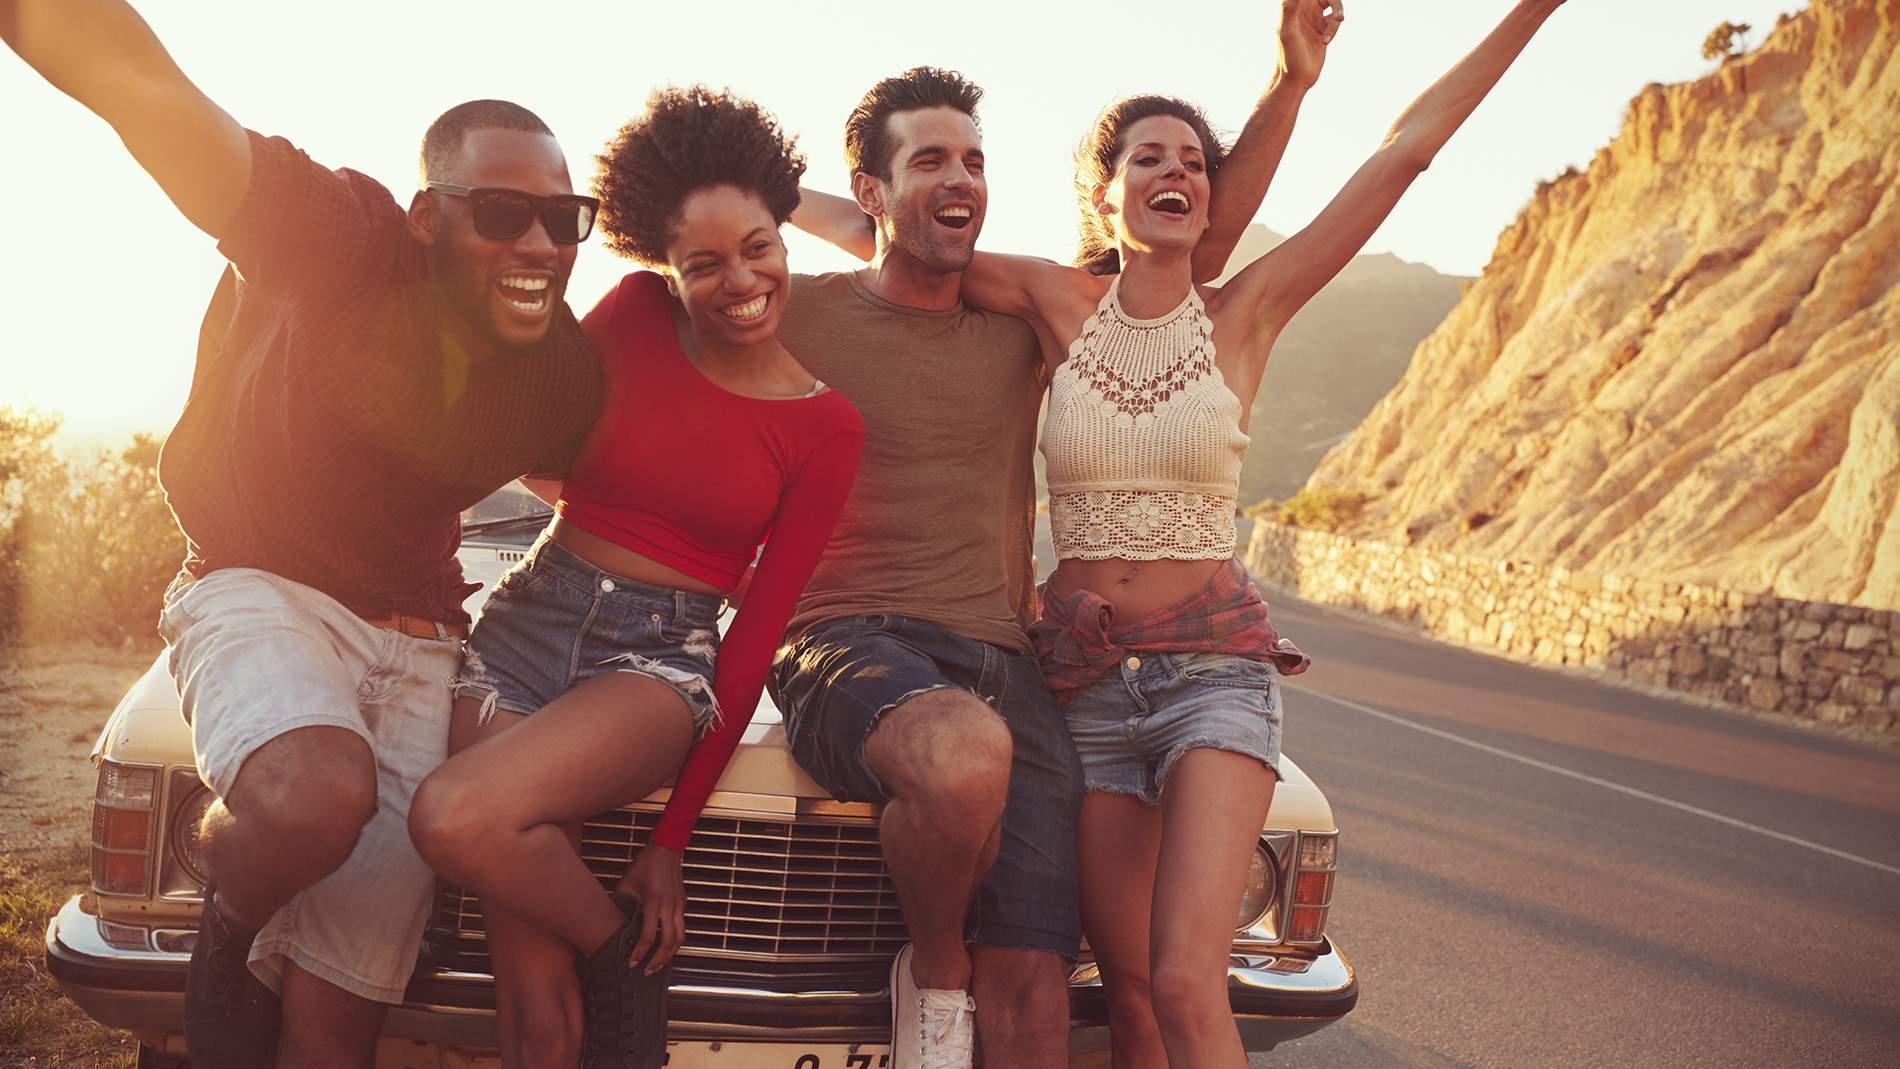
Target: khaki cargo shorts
[[255, 656]]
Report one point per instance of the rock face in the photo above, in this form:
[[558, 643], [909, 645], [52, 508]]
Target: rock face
[[1334, 360], [1683, 363]]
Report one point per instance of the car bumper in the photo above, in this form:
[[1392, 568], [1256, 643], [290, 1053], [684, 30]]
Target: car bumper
[[133, 977]]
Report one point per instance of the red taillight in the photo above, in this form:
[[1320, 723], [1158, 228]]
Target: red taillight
[[121, 829], [124, 803], [1312, 888]]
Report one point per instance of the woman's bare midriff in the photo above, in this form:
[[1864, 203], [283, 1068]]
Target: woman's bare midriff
[[1134, 588], [624, 562]]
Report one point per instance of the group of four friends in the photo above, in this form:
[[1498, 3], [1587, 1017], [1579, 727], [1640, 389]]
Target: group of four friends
[[845, 457]]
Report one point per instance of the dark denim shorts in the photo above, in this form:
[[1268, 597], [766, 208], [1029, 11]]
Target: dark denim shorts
[[1135, 722], [554, 620], [834, 681]]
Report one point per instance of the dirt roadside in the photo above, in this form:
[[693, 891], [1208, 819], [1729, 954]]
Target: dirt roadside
[[53, 703]]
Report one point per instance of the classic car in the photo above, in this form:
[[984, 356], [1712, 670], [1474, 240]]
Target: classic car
[[792, 918]]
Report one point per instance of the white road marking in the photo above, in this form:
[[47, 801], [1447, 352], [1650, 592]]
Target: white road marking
[[1631, 791]]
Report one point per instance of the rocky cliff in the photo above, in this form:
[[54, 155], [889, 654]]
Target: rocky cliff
[[1684, 362]]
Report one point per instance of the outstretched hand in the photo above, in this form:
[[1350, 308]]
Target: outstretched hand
[[655, 879], [1306, 28]]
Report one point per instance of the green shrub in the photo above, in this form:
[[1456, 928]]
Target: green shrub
[[1323, 509], [25, 452], [87, 546]]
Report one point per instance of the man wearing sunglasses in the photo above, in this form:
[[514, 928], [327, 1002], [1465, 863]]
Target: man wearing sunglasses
[[364, 373]]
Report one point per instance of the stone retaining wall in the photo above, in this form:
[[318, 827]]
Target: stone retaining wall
[[1814, 660]]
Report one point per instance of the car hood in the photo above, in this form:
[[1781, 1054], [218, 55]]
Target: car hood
[[148, 728]]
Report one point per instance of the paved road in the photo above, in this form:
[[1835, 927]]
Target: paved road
[[1527, 881]]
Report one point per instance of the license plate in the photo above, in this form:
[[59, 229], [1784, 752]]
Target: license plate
[[705, 1055]]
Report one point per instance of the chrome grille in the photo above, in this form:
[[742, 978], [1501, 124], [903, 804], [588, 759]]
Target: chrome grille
[[756, 889]]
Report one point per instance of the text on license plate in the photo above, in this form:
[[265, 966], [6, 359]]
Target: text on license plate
[[705, 1055]]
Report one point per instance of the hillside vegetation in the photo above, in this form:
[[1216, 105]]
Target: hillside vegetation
[[1334, 360]]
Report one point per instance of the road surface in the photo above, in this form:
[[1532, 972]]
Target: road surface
[[1541, 872]]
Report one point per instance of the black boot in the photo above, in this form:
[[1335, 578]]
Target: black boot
[[232, 1018], [623, 1010]]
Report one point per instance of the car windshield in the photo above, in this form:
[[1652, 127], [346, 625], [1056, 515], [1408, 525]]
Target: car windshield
[[509, 516]]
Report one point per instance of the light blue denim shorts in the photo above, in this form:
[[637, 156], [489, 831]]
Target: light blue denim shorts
[[1131, 725], [555, 620]]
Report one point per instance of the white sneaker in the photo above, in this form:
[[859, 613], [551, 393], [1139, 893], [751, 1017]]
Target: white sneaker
[[930, 1028]]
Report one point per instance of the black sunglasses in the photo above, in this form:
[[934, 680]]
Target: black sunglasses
[[506, 214]]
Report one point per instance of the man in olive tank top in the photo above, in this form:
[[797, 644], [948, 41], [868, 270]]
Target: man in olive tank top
[[907, 678]]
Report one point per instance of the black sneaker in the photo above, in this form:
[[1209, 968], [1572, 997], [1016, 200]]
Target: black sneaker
[[231, 1017], [623, 1010]]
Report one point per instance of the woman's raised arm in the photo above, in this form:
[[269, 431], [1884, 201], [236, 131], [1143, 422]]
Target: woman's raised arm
[[1306, 28], [1270, 290]]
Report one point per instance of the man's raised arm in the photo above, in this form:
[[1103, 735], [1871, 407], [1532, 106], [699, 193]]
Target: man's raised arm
[[1306, 28], [102, 54]]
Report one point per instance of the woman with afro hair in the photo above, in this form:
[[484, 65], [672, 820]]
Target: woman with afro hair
[[590, 673]]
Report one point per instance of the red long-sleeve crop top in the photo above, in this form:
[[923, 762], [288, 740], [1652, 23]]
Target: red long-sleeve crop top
[[696, 477]]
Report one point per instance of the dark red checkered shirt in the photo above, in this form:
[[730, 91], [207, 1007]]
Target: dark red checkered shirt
[[1076, 641], [333, 436]]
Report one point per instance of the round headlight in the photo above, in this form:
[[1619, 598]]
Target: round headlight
[[1258, 897], [187, 840]]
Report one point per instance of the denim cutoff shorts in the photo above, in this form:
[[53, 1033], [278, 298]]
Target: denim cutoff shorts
[[1131, 725], [837, 679], [555, 620]]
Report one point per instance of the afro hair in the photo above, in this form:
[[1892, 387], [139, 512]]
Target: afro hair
[[688, 140]]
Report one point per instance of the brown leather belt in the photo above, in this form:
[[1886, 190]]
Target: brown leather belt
[[417, 627]]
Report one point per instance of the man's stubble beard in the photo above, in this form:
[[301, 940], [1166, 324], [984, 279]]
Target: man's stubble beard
[[467, 294], [919, 239]]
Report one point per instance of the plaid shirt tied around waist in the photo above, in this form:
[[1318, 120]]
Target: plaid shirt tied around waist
[[1076, 642]]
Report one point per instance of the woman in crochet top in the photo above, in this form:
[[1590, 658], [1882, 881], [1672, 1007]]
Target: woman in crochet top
[[1150, 633]]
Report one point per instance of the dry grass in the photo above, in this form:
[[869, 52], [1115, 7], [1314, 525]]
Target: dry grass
[[53, 701], [38, 1025]]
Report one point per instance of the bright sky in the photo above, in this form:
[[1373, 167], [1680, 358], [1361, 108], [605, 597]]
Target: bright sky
[[106, 283]]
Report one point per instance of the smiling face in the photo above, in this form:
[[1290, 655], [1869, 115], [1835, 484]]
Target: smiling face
[[728, 267], [501, 296], [1159, 192], [932, 208]]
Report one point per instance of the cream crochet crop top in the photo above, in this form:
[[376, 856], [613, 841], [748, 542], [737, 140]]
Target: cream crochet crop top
[[1143, 439]]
